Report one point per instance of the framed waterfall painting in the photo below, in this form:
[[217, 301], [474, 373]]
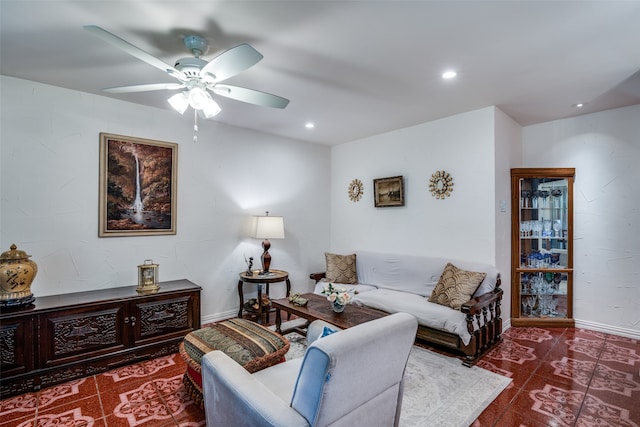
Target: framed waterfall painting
[[138, 186]]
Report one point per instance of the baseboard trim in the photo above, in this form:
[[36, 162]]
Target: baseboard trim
[[609, 329], [212, 318]]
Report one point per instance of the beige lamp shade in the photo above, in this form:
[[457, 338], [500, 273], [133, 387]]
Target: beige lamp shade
[[268, 227]]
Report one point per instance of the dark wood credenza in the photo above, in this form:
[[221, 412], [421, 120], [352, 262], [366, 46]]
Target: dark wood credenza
[[64, 337]]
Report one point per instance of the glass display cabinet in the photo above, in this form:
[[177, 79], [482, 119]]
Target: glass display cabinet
[[542, 247]]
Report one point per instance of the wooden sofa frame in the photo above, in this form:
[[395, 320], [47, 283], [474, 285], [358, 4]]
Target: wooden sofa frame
[[484, 309]]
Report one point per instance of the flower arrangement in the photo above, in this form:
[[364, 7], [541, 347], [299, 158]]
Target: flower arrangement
[[339, 296]]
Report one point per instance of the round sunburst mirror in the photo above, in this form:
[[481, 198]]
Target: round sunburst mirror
[[441, 184], [355, 190]]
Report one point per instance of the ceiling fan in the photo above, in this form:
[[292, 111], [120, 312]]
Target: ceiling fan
[[197, 77]]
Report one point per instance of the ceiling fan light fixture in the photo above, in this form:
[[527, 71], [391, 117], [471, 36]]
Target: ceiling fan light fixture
[[179, 102], [211, 109], [198, 98]]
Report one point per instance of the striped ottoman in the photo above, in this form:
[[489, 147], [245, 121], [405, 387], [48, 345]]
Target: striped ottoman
[[251, 345]]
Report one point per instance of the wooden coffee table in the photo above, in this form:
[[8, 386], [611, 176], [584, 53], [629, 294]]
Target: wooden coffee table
[[319, 308]]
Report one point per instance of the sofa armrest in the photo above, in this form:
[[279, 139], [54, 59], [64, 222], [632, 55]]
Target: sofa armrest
[[475, 305], [317, 276], [484, 309], [232, 396]]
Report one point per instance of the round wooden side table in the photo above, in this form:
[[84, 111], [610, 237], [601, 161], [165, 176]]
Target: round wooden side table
[[273, 276]]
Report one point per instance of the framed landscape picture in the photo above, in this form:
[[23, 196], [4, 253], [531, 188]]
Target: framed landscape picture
[[138, 186], [388, 191]]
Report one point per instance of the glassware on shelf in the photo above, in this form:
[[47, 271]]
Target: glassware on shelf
[[534, 199], [534, 229], [544, 194], [546, 228], [548, 277], [536, 284], [557, 194], [557, 226], [535, 309], [525, 228], [525, 281], [557, 278], [527, 305], [525, 198], [553, 307], [546, 301]]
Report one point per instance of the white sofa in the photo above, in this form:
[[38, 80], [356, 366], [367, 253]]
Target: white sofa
[[403, 283]]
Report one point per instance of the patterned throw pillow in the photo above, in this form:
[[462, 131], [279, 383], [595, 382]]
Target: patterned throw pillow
[[341, 268], [456, 286]]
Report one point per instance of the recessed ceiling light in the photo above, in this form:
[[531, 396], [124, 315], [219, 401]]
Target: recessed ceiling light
[[580, 104], [449, 74], [309, 125]]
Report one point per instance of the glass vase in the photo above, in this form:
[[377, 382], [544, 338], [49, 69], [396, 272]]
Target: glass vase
[[337, 307]]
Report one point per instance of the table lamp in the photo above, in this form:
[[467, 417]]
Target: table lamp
[[268, 227]]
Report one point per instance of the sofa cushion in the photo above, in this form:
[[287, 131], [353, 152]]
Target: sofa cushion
[[408, 273], [353, 289], [428, 314], [341, 268], [456, 286]]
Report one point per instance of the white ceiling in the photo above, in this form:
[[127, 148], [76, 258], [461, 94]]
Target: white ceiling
[[355, 68]]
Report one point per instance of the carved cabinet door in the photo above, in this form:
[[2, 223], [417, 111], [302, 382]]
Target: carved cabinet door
[[163, 317], [79, 333], [16, 345]]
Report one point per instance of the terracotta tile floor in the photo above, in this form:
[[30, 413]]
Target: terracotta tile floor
[[561, 377], [564, 377]]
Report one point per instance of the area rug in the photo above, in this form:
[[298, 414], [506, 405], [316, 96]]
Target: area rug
[[438, 391]]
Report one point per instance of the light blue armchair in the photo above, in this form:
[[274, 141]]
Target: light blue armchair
[[350, 378]]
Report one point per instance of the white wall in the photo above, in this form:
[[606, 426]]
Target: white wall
[[508, 143], [605, 150], [49, 140], [461, 226]]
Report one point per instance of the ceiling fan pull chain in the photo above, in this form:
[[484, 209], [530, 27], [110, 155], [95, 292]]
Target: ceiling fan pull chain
[[195, 125]]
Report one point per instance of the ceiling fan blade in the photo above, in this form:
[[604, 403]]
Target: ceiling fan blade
[[144, 88], [135, 51], [231, 62], [251, 96]]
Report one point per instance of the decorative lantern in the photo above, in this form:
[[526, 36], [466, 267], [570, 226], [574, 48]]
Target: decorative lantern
[[17, 272], [148, 277]]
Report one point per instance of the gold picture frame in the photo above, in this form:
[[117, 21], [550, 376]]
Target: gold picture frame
[[388, 191], [138, 186]]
